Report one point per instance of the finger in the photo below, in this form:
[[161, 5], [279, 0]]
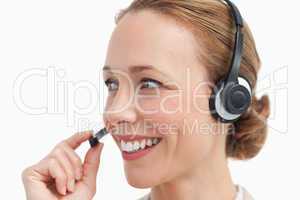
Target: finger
[[75, 140], [75, 161], [60, 155], [57, 172], [91, 165]]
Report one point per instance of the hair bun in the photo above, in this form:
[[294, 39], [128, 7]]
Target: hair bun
[[248, 134]]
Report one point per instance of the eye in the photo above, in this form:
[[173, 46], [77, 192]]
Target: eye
[[148, 83], [112, 84]]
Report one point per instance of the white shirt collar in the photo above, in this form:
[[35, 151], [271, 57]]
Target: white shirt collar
[[240, 193]]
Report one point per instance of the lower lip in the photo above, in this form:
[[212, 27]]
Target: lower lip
[[138, 154]]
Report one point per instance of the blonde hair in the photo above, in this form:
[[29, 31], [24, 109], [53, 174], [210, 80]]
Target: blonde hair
[[213, 27]]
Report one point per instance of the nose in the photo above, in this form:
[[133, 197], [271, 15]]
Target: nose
[[120, 110]]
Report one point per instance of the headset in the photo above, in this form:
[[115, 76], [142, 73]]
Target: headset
[[231, 96]]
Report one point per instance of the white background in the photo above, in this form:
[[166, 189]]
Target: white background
[[72, 37]]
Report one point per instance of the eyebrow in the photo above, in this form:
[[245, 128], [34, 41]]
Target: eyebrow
[[135, 68]]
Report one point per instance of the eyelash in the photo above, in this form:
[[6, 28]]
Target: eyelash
[[145, 80], [110, 81]]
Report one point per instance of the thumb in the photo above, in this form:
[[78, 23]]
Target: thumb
[[91, 165]]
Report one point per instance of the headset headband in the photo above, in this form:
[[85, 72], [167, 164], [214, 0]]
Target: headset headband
[[238, 45]]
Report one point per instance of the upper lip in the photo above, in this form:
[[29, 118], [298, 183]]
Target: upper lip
[[128, 138]]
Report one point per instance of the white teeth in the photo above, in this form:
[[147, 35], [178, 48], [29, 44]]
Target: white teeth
[[123, 145], [129, 146], [149, 142], [137, 145], [143, 144]]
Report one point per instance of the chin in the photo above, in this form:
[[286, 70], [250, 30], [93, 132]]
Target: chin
[[140, 178], [139, 182]]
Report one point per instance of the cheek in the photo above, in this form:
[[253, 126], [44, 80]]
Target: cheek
[[184, 145], [165, 108], [172, 116], [196, 141], [164, 114]]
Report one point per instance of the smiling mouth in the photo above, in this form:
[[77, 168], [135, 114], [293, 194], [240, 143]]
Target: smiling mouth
[[134, 146]]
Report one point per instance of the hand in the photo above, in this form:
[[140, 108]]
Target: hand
[[61, 174]]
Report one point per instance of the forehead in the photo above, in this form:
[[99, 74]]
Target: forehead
[[148, 38]]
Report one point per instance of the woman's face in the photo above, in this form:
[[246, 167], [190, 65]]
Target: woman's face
[[158, 89]]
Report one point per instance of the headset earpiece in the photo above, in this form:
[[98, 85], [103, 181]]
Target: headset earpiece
[[236, 98], [228, 102]]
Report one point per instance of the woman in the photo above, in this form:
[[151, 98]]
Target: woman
[[163, 61]]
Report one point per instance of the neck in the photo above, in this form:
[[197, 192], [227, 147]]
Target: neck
[[211, 181]]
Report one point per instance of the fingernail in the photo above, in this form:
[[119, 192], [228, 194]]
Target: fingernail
[[78, 174], [64, 190], [72, 185]]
